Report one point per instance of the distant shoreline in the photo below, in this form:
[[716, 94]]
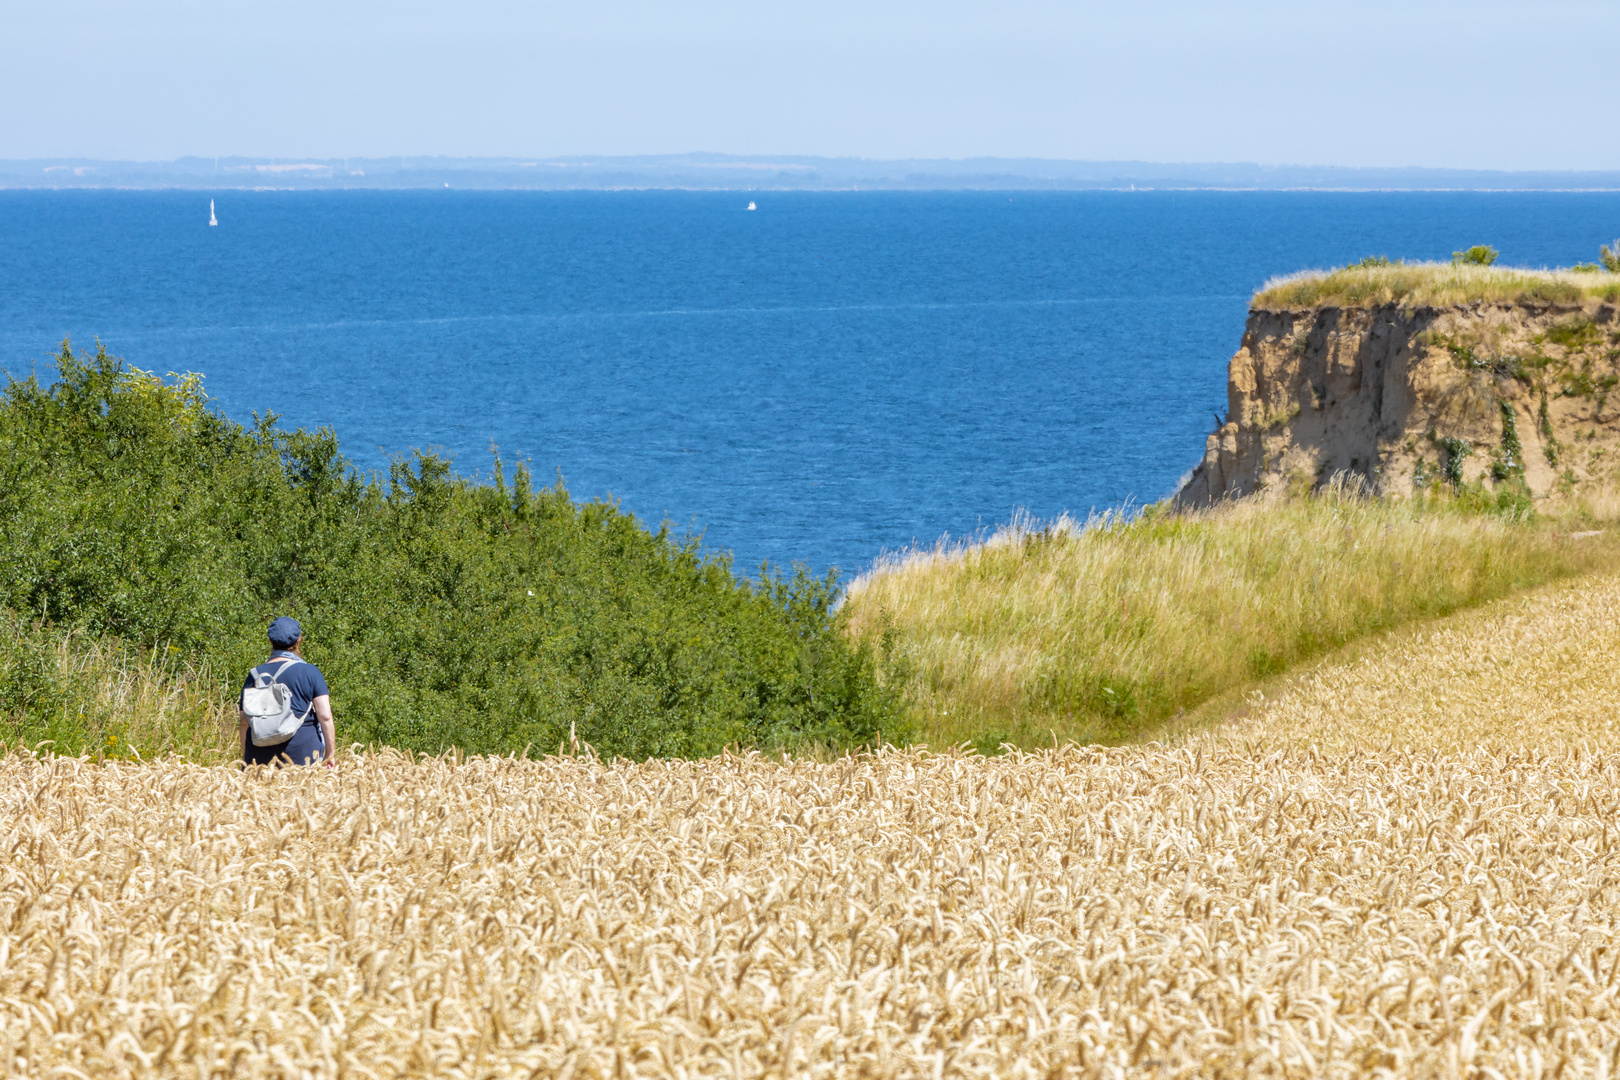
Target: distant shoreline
[[723, 172]]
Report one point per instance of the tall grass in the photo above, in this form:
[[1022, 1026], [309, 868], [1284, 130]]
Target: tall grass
[[1434, 285], [100, 695], [1100, 633]]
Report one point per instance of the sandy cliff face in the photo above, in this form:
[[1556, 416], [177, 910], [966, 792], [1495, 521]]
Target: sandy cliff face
[[1403, 398]]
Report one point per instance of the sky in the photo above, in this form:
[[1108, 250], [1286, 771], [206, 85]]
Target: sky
[[1481, 84]]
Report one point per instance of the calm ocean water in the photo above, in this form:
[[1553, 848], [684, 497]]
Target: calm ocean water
[[829, 376]]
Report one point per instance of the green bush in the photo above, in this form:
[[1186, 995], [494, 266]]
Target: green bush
[[443, 613], [1478, 255], [1456, 450], [1610, 257]]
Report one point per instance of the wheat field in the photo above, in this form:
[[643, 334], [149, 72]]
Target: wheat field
[[1219, 910], [1538, 669], [1403, 862]]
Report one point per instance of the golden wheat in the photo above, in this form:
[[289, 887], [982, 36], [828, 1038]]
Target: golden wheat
[[1144, 911], [1541, 668]]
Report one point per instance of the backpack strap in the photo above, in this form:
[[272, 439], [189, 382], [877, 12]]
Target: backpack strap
[[263, 678], [286, 663]]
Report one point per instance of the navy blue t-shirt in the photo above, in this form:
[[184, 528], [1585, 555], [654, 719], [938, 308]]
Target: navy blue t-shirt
[[301, 677]]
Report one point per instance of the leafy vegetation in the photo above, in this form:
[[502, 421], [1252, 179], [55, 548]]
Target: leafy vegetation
[[143, 532], [1478, 255], [1455, 452], [1550, 446], [1509, 463], [106, 697]]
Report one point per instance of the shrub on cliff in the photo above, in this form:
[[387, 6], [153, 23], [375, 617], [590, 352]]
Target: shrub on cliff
[[1478, 255], [1610, 257], [443, 613]]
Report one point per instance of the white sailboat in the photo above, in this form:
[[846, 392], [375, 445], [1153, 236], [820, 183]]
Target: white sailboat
[[751, 206], [212, 220]]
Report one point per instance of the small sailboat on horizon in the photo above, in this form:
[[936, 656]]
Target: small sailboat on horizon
[[212, 220]]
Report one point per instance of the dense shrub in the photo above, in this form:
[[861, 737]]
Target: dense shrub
[[1610, 257], [443, 613], [1478, 255]]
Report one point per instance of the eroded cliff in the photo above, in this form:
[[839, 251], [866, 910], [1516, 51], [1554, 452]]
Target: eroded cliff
[[1401, 397]]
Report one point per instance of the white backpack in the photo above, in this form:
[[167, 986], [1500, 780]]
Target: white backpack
[[268, 706]]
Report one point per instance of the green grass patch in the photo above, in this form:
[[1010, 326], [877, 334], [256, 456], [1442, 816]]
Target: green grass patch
[[1106, 632]]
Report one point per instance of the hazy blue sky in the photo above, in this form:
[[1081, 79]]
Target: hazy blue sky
[[1481, 84]]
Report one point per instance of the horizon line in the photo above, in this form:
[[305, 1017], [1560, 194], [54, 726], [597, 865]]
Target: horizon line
[[711, 171]]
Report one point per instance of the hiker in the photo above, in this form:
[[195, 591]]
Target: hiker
[[285, 707]]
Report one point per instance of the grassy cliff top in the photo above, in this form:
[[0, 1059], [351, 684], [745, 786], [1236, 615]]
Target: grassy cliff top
[[1433, 285]]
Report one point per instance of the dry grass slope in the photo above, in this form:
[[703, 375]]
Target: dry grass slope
[[1434, 285], [1224, 911], [1099, 634]]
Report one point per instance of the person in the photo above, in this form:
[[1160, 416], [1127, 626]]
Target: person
[[315, 740]]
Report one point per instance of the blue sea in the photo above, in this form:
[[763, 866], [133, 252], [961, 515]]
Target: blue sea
[[816, 381]]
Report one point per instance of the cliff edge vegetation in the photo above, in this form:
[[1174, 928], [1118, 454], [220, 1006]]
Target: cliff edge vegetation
[[1376, 282]]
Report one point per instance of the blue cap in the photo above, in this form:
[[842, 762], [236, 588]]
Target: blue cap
[[285, 632]]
